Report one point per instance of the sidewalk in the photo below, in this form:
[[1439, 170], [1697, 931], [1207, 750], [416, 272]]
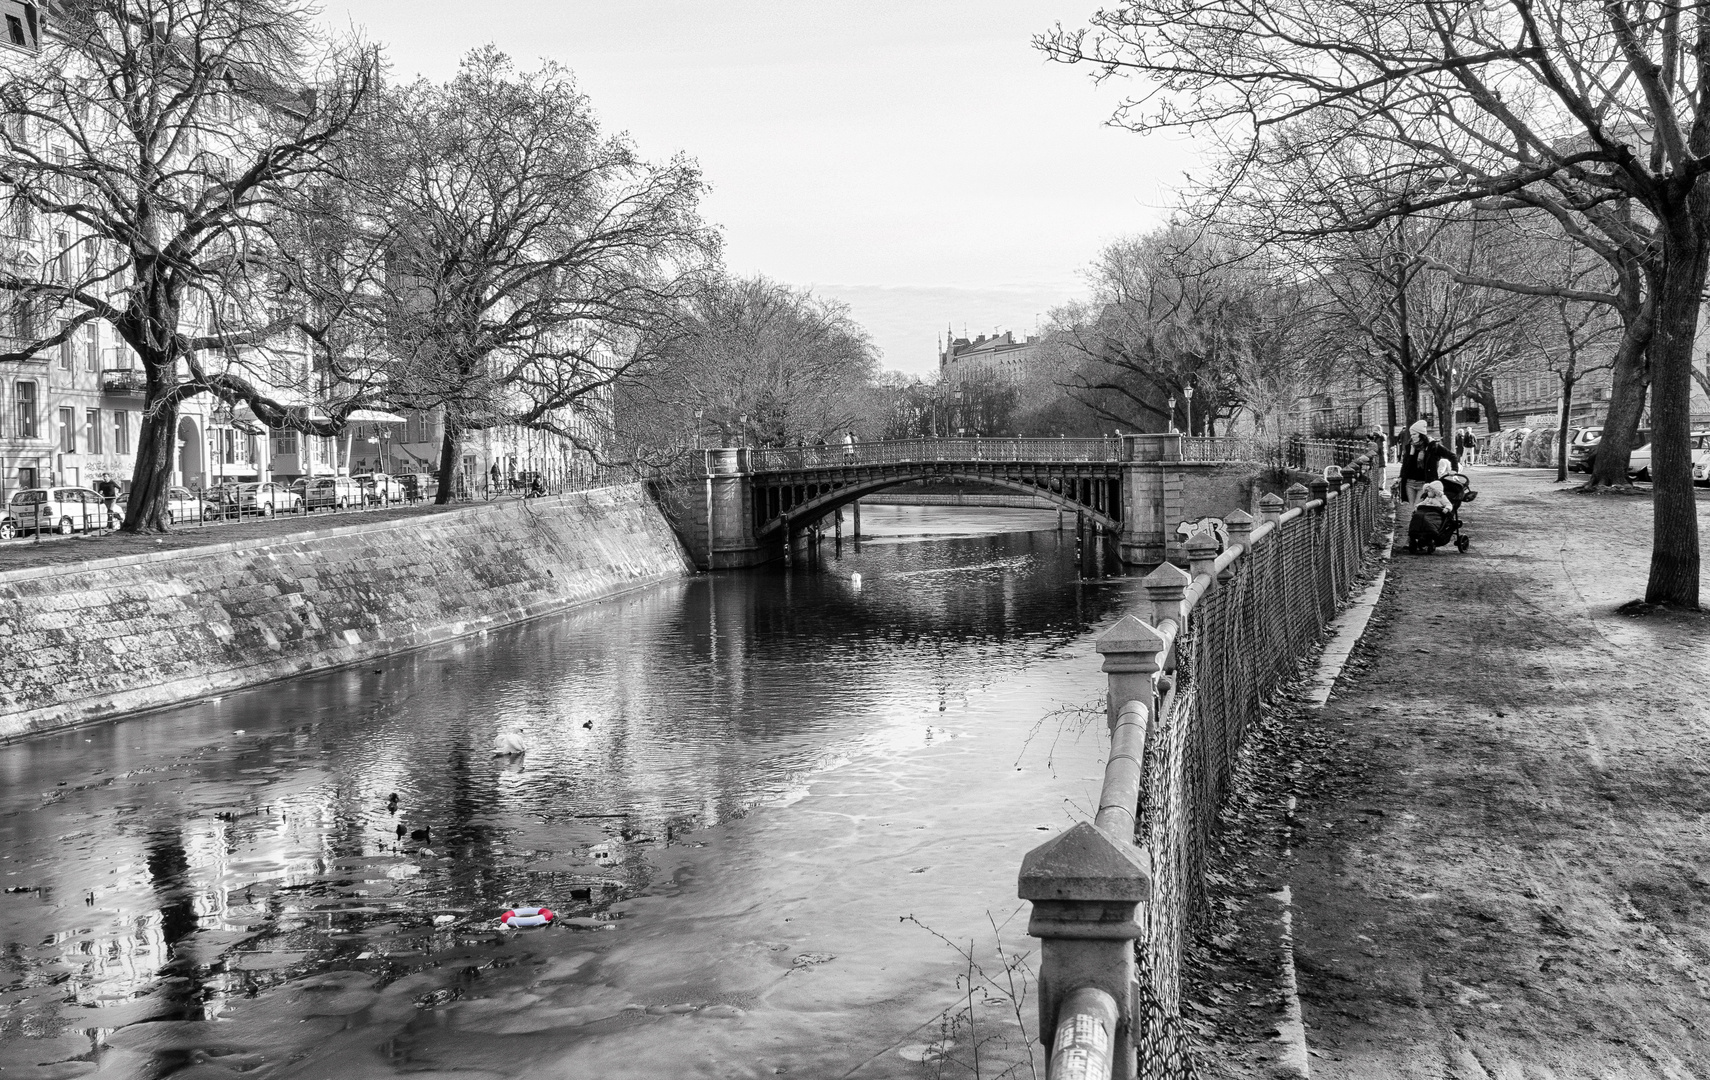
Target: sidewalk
[[1505, 874], [1499, 857]]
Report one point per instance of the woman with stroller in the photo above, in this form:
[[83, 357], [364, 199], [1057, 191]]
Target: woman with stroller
[[1423, 461]]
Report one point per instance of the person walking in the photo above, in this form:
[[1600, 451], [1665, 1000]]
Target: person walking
[[1379, 455], [1424, 460], [849, 444], [109, 492]]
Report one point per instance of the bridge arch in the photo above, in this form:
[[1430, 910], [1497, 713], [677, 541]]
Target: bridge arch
[[830, 501]]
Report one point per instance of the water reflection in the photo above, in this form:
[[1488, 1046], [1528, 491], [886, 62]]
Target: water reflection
[[163, 867]]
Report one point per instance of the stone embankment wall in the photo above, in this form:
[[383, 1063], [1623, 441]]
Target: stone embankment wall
[[113, 636]]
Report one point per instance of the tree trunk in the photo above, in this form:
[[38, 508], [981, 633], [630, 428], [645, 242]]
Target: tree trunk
[[1629, 372], [1674, 531], [1562, 426], [448, 451], [157, 444], [1445, 404], [1484, 392], [1409, 396], [1389, 410]]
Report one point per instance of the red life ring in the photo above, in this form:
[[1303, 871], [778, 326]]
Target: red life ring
[[527, 916]]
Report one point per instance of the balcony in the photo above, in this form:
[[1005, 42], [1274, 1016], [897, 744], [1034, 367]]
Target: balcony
[[123, 382]]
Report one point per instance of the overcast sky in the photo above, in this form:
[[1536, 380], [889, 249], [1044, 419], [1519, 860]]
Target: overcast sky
[[918, 159]]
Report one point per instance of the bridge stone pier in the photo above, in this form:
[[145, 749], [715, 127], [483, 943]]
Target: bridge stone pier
[[1134, 495]]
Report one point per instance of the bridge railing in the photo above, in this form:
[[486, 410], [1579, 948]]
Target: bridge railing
[[1295, 453], [1114, 899], [913, 451]]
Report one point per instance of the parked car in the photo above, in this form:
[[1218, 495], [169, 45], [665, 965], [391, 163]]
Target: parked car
[[327, 492], [1639, 465], [1581, 443], [182, 504], [273, 499], [64, 510], [1640, 439], [419, 486], [241, 500], [379, 489]]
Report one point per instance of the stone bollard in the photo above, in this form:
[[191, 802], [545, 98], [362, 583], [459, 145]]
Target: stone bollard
[[1240, 527], [1271, 508], [1165, 586], [1131, 652], [1297, 495], [1202, 554], [1085, 886]]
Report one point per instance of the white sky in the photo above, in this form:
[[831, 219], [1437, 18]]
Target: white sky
[[917, 159]]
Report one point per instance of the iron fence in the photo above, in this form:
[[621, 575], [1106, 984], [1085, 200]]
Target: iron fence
[[1222, 640]]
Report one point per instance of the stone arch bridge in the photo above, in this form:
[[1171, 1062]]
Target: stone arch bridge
[[1131, 491]]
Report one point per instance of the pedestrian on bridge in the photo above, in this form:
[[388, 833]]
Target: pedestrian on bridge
[[849, 444]]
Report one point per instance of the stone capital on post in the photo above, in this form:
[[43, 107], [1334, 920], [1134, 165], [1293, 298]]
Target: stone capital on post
[[1202, 552], [1165, 586], [1297, 495], [1271, 507], [1239, 525], [1321, 491], [1132, 654], [1085, 886]]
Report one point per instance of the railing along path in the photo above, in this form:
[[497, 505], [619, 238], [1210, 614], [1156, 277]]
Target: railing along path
[[1198, 449], [1114, 899]]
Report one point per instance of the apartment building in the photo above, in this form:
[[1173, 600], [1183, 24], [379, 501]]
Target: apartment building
[[72, 413], [998, 358]]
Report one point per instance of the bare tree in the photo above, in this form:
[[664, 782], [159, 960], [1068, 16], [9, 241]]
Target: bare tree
[[758, 362], [148, 146], [1175, 311], [1480, 102], [515, 260]]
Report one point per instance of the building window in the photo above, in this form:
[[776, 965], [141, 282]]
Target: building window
[[121, 431], [92, 430], [23, 27], [284, 441], [68, 431], [66, 348], [26, 405], [91, 350]]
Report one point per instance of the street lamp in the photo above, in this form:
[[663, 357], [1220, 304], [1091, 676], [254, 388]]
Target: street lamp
[[1188, 392], [698, 414], [1172, 412]]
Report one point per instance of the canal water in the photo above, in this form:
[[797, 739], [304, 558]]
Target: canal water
[[779, 815]]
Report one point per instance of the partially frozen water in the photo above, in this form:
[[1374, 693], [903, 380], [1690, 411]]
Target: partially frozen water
[[737, 790]]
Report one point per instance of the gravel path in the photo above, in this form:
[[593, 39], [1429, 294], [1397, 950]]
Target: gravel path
[[1504, 874]]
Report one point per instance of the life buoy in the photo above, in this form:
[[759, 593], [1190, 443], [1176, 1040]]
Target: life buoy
[[527, 916]]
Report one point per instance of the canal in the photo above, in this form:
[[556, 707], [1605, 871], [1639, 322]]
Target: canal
[[768, 807]]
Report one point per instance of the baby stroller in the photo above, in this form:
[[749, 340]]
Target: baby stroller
[[1432, 527]]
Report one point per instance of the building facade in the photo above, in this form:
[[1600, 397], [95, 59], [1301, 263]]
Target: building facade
[[999, 358]]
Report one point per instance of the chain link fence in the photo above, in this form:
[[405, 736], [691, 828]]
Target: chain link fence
[[1242, 640]]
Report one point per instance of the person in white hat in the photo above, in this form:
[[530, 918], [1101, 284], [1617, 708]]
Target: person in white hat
[[1423, 461]]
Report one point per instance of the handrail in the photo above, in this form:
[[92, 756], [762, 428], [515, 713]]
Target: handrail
[[1086, 1037], [1124, 771]]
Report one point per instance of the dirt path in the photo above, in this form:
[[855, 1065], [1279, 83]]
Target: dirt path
[[1504, 867]]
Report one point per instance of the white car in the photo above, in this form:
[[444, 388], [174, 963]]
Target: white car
[[273, 499], [379, 489], [64, 510], [1639, 464]]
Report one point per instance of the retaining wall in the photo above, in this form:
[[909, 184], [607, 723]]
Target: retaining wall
[[113, 636]]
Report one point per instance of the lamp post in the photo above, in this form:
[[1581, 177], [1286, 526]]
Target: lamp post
[[698, 414], [1188, 393], [1172, 412]]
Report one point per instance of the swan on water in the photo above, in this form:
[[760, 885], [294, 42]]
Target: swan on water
[[510, 741]]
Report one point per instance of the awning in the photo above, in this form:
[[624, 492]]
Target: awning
[[374, 416]]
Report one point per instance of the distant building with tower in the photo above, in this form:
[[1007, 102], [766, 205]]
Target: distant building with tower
[[985, 359]]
